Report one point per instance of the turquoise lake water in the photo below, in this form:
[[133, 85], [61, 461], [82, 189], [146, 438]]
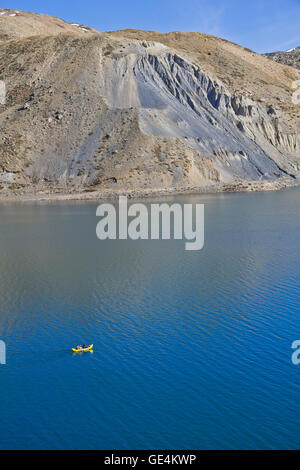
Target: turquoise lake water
[[192, 349]]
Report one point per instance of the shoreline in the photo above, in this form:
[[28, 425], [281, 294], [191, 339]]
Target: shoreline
[[61, 194]]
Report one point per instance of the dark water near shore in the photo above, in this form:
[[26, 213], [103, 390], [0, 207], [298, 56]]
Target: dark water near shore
[[192, 349]]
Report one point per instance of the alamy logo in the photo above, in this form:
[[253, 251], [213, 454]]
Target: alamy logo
[[2, 352], [296, 94], [296, 353], [2, 92], [137, 222]]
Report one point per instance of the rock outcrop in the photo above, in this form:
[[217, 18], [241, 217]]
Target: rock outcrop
[[290, 57]]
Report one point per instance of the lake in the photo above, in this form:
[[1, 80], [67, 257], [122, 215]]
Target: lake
[[192, 349]]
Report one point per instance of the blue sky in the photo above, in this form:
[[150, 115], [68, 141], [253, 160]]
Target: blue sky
[[263, 26]]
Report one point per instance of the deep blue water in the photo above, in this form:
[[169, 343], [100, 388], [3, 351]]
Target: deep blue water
[[192, 349]]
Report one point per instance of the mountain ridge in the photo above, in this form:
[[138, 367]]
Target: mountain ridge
[[290, 57], [140, 111]]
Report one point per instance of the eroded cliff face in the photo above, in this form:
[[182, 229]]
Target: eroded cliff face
[[177, 99], [107, 111]]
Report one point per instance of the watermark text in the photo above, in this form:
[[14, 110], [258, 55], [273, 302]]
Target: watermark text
[[2, 352], [296, 94], [153, 221], [2, 92]]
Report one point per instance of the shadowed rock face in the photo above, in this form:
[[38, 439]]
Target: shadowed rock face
[[291, 57], [109, 110]]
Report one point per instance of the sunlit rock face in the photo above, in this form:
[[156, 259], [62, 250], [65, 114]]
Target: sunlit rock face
[[85, 109]]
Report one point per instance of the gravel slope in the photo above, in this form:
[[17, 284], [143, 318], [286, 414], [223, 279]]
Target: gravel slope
[[140, 111]]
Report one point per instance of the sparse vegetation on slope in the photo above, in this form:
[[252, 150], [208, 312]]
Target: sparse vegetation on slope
[[136, 110]]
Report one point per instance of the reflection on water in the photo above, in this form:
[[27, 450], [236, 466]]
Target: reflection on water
[[191, 349], [31, 359]]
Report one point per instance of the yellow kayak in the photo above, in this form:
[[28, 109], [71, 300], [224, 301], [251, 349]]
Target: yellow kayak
[[88, 348]]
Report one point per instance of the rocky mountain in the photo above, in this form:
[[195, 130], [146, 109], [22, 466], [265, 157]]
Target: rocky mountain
[[290, 57], [140, 111]]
